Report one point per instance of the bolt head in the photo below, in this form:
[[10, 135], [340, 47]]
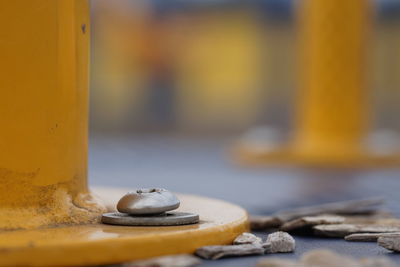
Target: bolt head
[[148, 201]]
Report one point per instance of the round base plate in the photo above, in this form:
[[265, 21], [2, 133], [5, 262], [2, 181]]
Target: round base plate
[[263, 145], [167, 219], [100, 244]]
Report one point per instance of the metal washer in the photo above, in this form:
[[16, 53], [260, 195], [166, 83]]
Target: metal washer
[[166, 219]]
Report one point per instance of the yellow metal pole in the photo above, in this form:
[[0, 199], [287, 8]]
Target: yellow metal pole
[[44, 48], [44, 112], [332, 114]]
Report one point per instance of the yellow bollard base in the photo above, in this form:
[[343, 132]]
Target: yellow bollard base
[[248, 157], [383, 151], [99, 244]]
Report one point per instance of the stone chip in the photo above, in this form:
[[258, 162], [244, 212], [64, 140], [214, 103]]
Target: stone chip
[[258, 223], [390, 243], [308, 221], [247, 238], [377, 262], [342, 230], [326, 258], [279, 242], [369, 237], [183, 260], [217, 252], [352, 207]]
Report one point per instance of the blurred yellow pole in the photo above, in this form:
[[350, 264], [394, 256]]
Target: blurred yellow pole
[[44, 114], [332, 114]]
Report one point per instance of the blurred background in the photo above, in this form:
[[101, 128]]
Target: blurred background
[[215, 67], [174, 82]]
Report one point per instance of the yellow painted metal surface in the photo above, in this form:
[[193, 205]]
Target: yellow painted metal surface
[[47, 215], [44, 111], [332, 115], [96, 244]]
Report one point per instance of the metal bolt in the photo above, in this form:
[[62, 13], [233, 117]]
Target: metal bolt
[[148, 201], [149, 207]]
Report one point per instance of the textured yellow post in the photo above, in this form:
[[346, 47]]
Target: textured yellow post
[[43, 114], [332, 115], [44, 48]]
